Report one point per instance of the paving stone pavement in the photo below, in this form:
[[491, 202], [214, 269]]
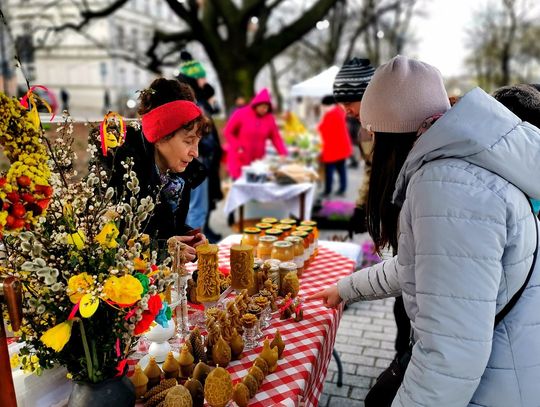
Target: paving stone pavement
[[365, 344]]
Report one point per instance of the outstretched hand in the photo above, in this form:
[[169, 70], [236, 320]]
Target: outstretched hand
[[329, 296]]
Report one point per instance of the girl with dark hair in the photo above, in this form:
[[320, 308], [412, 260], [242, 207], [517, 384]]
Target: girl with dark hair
[[164, 154], [467, 239]]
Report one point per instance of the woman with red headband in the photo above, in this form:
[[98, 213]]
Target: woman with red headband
[[164, 154]]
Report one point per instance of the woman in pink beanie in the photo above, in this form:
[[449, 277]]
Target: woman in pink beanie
[[449, 193]]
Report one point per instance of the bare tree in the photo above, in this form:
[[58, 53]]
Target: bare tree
[[352, 28], [239, 37], [504, 42]]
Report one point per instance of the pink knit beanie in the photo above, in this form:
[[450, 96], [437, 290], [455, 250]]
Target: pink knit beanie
[[401, 95]]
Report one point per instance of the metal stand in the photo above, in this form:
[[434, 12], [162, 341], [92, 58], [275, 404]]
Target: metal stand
[[339, 368]]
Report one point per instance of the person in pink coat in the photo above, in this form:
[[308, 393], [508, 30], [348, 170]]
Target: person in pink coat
[[336, 145], [246, 133]]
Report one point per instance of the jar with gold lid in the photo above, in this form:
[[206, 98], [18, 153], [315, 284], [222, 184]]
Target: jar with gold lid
[[289, 221], [313, 224], [311, 237], [305, 238], [278, 233], [263, 227], [298, 248], [251, 238], [284, 269], [264, 248], [287, 229], [269, 220], [282, 251]]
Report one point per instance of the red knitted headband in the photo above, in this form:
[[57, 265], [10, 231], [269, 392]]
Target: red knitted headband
[[167, 118]]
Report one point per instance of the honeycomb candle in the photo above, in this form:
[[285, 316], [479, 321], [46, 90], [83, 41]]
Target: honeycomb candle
[[241, 266], [208, 280]]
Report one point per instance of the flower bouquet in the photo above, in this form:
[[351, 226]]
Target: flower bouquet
[[91, 283]]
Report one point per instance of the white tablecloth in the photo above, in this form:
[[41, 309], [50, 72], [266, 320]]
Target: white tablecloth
[[286, 195]]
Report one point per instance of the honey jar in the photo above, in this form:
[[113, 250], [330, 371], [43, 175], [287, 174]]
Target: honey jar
[[269, 220], [282, 251], [287, 229], [289, 221], [263, 227], [284, 269], [313, 224], [278, 233], [298, 248], [264, 248], [305, 238], [251, 238], [311, 238]]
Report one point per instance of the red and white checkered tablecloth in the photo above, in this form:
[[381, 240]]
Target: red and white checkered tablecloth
[[309, 343]]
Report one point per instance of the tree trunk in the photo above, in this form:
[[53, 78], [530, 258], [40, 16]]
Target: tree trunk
[[236, 81]]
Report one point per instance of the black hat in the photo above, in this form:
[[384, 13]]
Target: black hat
[[328, 100], [352, 80]]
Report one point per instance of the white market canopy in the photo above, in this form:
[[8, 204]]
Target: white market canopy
[[318, 86]]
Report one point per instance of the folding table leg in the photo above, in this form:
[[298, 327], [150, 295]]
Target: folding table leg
[[339, 368]]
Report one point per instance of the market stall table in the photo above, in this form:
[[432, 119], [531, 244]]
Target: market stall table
[[296, 198], [308, 344]]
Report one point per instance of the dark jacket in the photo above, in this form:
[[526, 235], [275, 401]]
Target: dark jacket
[[164, 223]]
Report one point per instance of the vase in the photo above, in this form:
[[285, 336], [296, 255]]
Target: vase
[[117, 392], [159, 337]]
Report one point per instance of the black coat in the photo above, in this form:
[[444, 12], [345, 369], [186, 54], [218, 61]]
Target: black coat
[[164, 223]]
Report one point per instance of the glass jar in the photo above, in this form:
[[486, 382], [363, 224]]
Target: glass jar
[[287, 229], [269, 220], [263, 227], [282, 251], [298, 247], [313, 224], [305, 238], [278, 233], [289, 221], [284, 269], [264, 248], [311, 238], [251, 238]]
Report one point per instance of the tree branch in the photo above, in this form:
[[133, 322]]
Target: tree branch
[[278, 42], [187, 15], [228, 11], [89, 15], [364, 25], [158, 38]]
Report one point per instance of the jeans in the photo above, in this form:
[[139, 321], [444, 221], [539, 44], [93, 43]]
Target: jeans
[[198, 206], [342, 173]]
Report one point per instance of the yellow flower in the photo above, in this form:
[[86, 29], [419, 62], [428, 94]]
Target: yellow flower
[[15, 360], [139, 264], [77, 239], [57, 337], [124, 290], [145, 239], [107, 236], [78, 286]]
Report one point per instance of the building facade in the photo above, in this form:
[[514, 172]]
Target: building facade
[[93, 70]]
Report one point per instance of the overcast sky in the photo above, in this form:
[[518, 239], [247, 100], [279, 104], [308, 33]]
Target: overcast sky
[[441, 33]]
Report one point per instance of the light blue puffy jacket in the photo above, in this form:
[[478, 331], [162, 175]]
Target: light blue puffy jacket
[[466, 244]]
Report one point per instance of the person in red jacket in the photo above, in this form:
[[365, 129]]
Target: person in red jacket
[[246, 133], [336, 145]]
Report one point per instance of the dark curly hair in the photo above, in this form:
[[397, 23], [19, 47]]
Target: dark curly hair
[[162, 91]]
